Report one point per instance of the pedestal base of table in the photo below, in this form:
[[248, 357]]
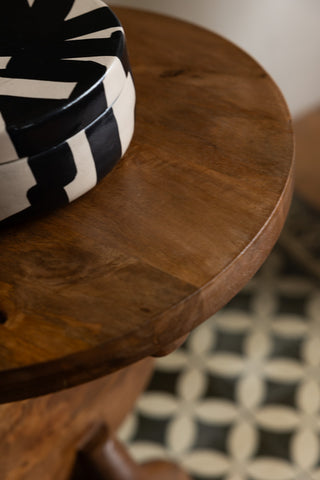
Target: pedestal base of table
[[40, 437], [102, 457], [307, 184]]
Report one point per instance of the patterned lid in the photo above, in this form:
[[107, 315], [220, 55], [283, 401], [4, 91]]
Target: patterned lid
[[62, 64]]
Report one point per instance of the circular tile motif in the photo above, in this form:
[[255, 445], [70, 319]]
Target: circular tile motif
[[245, 400]]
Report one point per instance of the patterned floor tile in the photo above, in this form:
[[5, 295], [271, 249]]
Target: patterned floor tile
[[241, 399]]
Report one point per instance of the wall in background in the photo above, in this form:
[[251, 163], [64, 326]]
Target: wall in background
[[283, 35]]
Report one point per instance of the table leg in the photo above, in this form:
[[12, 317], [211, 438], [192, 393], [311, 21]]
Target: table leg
[[102, 457], [40, 436]]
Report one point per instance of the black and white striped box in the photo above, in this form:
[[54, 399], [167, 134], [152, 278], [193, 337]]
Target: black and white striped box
[[67, 100]]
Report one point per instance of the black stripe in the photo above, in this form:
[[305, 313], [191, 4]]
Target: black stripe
[[90, 22], [52, 130], [52, 171], [84, 73], [6, 51], [12, 13], [35, 125], [105, 144], [115, 46], [20, 21], [56, 169], [50, 12]]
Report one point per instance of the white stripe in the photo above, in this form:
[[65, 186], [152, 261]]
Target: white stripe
[[31, 2], [21, 87], [86, 177], [115, 77], [4, 62], [114, 80], [80, 7], [16, 179], [104, 60], [106, 33], [123, 110], [7, 149]]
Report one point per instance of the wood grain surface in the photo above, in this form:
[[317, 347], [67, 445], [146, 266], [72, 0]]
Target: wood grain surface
[[170, 236], [40, 436], [103, 457]]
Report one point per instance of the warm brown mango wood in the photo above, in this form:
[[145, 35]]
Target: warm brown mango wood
[[40, 436], [102, 457], [173, 233], [307, 129]]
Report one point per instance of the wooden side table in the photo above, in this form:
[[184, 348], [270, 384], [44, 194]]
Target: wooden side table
[[125, 273]]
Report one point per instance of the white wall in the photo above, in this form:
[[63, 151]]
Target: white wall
[[283, 35]]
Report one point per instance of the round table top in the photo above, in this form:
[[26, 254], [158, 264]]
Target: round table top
[[165, 240]]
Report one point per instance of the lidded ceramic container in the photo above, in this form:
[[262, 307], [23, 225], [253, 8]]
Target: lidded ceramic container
[[66, 100]]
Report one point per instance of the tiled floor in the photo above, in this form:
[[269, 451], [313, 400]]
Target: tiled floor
[[241, 399]]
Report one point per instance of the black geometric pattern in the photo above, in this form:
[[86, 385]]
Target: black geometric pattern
[[56, 148], [44, 45], [286, 347], [60, 175], [216, 439], [166, 381], [221, 387], [244, 395], [230, 341], [66, 101], [52, 174], [292, 304], [277, 393], [275, 445]]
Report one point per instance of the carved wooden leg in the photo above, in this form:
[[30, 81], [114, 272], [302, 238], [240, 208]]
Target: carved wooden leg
[[102, 457]]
